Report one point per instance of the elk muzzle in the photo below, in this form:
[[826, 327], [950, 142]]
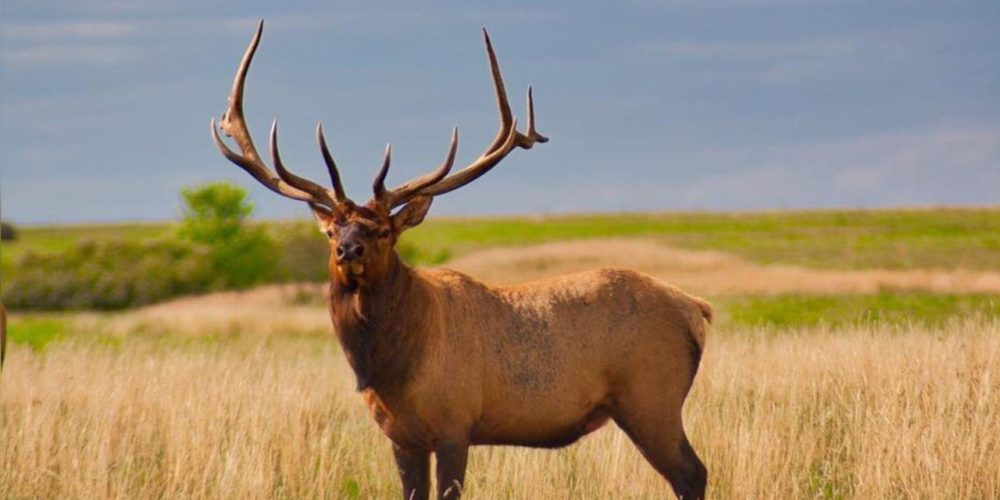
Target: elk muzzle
[[350, 252]]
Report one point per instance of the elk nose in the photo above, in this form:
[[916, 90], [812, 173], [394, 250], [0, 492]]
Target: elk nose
[[349, 251]]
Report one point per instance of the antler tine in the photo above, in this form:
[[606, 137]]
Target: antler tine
[[476, 169], [338, 187], [506, 116], [532, 136], [258, 171], [286, 175], [232, 120], [406, 192], [379, 184], [233, 123]]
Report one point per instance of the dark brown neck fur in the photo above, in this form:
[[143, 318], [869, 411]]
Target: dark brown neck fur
[[379, 326]]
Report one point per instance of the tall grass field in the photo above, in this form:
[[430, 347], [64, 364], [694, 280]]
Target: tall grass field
[[854, 355]]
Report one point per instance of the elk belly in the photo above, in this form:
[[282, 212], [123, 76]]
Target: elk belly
[[543, 431]]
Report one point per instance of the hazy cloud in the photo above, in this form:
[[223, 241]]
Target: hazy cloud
[[62, 55], [949, 164], [757, 49], [62, 31], [796, 59]]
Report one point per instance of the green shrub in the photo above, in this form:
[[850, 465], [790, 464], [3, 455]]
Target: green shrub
[[214, 248], [214, 215], [303, 252], [108, 275]]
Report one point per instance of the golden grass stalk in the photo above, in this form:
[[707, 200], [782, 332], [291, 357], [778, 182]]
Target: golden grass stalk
[[854, 413]]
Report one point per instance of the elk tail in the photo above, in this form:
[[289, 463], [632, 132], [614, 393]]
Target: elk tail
[[705, 307], [697, 325], [697, 330]]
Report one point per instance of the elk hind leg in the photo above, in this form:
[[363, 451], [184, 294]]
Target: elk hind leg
[[654, 426]]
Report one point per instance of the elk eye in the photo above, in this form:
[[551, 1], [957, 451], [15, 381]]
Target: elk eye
[[384, 233], [329, 233]]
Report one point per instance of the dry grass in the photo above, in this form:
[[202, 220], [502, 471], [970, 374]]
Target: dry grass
[[244, 395], [858, 413], [265, 311]]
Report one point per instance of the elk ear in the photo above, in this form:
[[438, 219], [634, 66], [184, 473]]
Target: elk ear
[[324, 217], [412, 213]]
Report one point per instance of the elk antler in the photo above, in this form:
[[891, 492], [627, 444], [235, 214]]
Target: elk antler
[[288, 184], [285, 183], [408, 191], [506, 140]]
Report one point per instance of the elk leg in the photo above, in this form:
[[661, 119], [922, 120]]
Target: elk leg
[[451, 461], [414, 472], [659, 435]]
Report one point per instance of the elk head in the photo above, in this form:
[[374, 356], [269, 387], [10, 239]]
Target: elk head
[[362, 237]]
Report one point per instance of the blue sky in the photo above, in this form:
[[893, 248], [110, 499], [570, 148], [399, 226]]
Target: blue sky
[[739, 104]]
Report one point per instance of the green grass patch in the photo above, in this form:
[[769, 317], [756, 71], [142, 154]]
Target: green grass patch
[[796, 311], [36, 332]]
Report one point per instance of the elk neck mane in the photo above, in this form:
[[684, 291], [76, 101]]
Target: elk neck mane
[[379, 326]]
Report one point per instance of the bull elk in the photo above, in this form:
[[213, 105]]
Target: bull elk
[[444, 361], [3, 335]]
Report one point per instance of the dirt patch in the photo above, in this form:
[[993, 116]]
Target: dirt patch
[[707, 272]]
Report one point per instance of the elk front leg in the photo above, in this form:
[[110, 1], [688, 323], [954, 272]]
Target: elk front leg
[[451, 461], [414, 472]]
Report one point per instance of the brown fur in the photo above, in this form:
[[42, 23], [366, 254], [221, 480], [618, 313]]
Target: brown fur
[[444, 361], [3, 335]]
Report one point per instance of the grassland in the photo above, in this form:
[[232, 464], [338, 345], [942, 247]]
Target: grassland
[[113, 409], [854, 356], [944, 238], [46, 239], [859, 239]]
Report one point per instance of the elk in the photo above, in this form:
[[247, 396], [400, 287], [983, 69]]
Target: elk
[[445, 362], [3, 335]]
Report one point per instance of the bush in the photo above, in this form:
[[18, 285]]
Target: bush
[[108, 275], [412, 254], [215, 216], [304, 252], [7, 231], [215, 248]]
